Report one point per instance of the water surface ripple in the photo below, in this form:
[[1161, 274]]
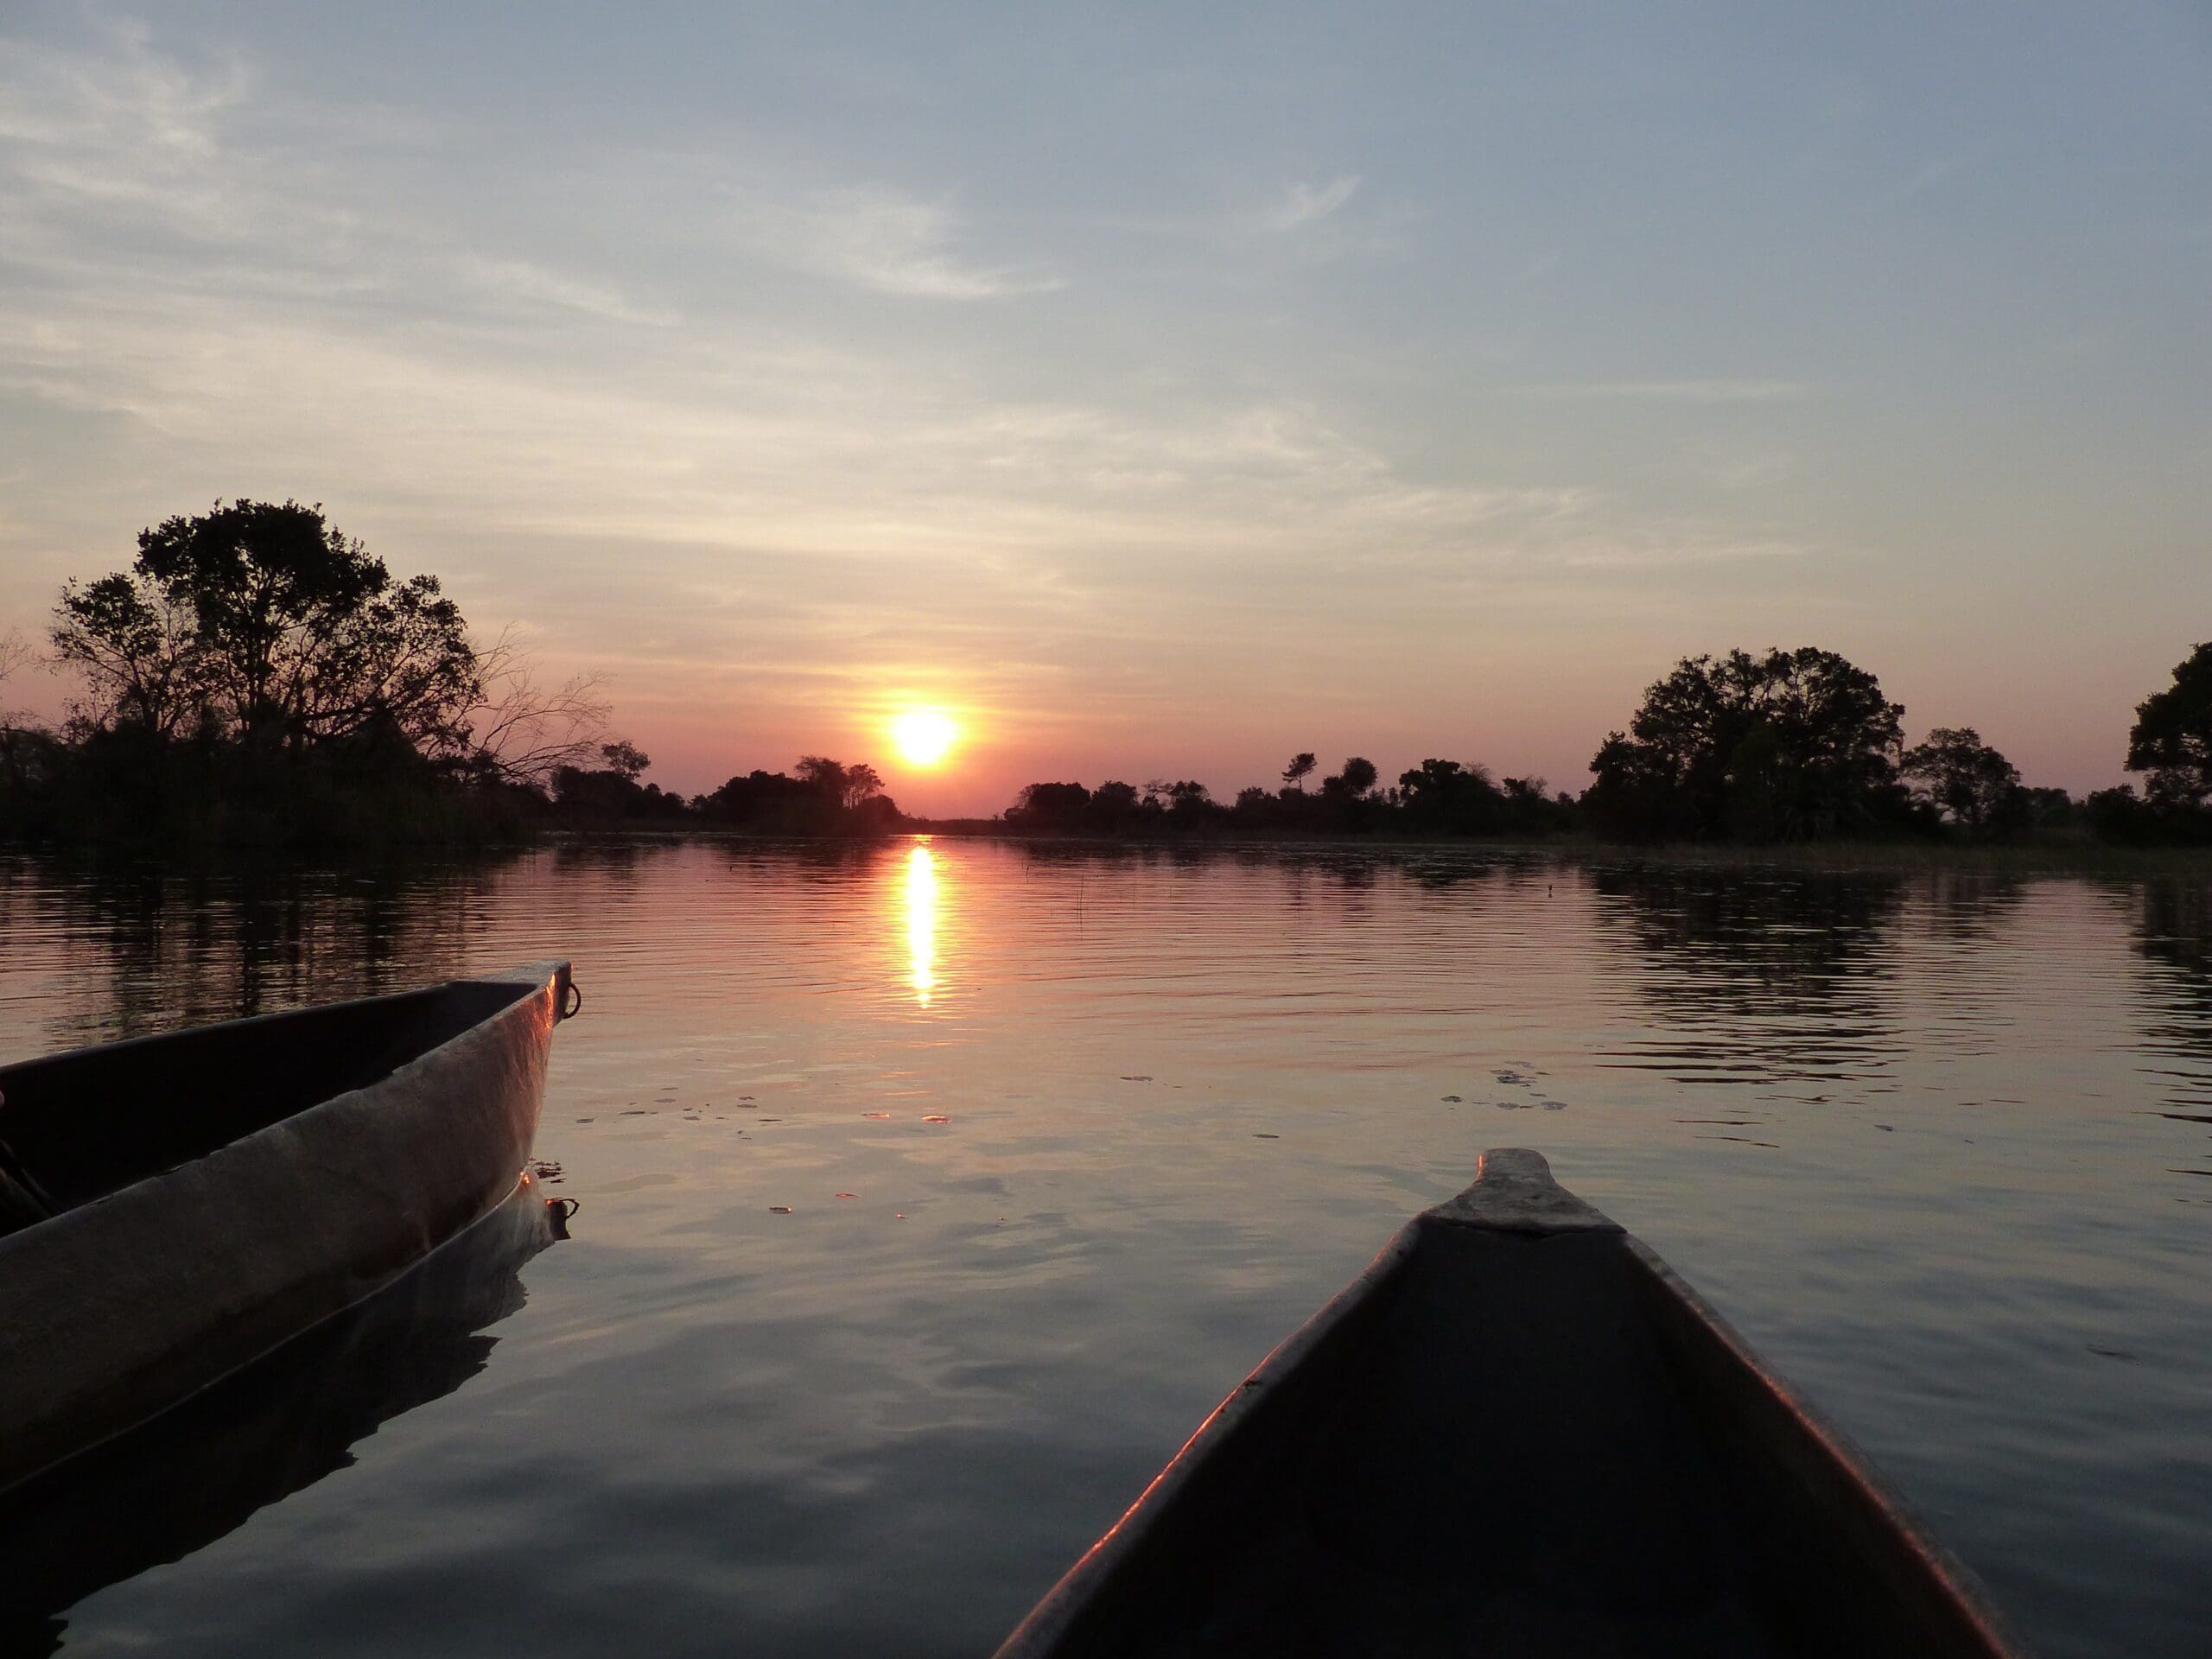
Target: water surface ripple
[[932, 1192]]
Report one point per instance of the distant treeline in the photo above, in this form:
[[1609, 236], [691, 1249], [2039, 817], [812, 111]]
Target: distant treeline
[[1439, 797], [256, 676], [1791, 746], [823, 799]]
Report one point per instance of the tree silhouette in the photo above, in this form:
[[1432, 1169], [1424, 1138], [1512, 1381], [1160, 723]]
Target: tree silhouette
[[2171, 739], [846, 788], [301, 636], [1114, 799], [1793, 744], [1300, 767], [1051, 806], [133, 644], [1443, 797], [281, 631], [625, 759], [1964, 779], [1355, 780]]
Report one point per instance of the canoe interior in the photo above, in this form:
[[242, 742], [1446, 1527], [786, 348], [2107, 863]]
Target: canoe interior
[[84, 1124], [1512, 1444]]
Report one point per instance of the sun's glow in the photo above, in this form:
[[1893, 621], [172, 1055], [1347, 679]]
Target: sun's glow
[[924, 736]]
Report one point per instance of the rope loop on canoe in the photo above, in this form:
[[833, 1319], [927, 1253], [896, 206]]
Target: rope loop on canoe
[[575, 1004]]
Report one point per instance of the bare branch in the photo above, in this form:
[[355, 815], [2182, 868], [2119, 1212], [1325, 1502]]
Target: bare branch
[[17, 654], [524, 733]]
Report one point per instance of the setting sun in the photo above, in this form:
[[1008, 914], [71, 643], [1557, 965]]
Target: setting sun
[[923, 736]]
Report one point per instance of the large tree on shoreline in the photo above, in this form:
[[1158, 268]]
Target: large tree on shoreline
[[268, 626], [1789, 746], [2171, 739]]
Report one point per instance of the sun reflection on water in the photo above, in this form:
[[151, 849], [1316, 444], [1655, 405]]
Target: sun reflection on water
[[921, 923]]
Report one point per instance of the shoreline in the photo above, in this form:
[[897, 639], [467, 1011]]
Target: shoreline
[[2056, 857], [2068, 856]]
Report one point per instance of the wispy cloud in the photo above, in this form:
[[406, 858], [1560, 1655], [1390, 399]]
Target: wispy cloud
[[514, 280], [1679, 392], [1306, 220], [118, 161], [118, 127], [1305, 204], [878, 238], [53, 98]]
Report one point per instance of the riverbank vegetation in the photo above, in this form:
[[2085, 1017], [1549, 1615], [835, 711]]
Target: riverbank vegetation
[[1792, 748], [256, 677]]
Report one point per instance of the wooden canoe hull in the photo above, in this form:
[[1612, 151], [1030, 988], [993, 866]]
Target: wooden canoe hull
[[121, 1307], [1517, 1434], [178, 1481]]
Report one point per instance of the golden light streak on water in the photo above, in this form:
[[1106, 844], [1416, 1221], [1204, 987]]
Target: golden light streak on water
[[921, 923]]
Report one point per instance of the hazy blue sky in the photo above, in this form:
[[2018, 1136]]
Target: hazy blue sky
[[1166, 387]]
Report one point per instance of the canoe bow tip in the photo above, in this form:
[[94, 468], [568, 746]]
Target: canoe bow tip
[[553, 972], [1514, 1163], [1514, 1192], [533, 973]]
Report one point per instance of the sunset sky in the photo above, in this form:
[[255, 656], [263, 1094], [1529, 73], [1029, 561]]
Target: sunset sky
[[1159, 392]]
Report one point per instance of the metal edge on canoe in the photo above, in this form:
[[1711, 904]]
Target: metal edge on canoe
[[115, 1309], [1514, 1191]]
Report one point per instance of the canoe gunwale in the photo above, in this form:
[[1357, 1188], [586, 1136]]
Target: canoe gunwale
[[1056, 1616], [122, 1307], [1818, 1453], [154, 1041]]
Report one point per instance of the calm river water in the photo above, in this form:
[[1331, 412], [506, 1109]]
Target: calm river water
[[1067, 1139]]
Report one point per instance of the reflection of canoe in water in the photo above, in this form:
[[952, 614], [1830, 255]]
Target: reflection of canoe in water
[[180, 1205], [1517, 1434], [177, 1484]]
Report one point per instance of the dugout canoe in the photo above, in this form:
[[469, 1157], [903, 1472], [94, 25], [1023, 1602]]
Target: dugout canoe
[[174, 1484], [175, 1207], [1519, 1432]]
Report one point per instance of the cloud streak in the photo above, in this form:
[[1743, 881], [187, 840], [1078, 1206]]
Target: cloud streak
[[1715, 391], [881, 240], [520, 281], [1304, 204]]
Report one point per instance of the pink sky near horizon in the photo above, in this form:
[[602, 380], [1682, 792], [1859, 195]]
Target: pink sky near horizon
[[1230, 709]]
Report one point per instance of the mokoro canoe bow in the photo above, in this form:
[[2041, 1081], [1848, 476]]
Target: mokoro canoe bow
[[206, 1195], [1517, 1434]]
